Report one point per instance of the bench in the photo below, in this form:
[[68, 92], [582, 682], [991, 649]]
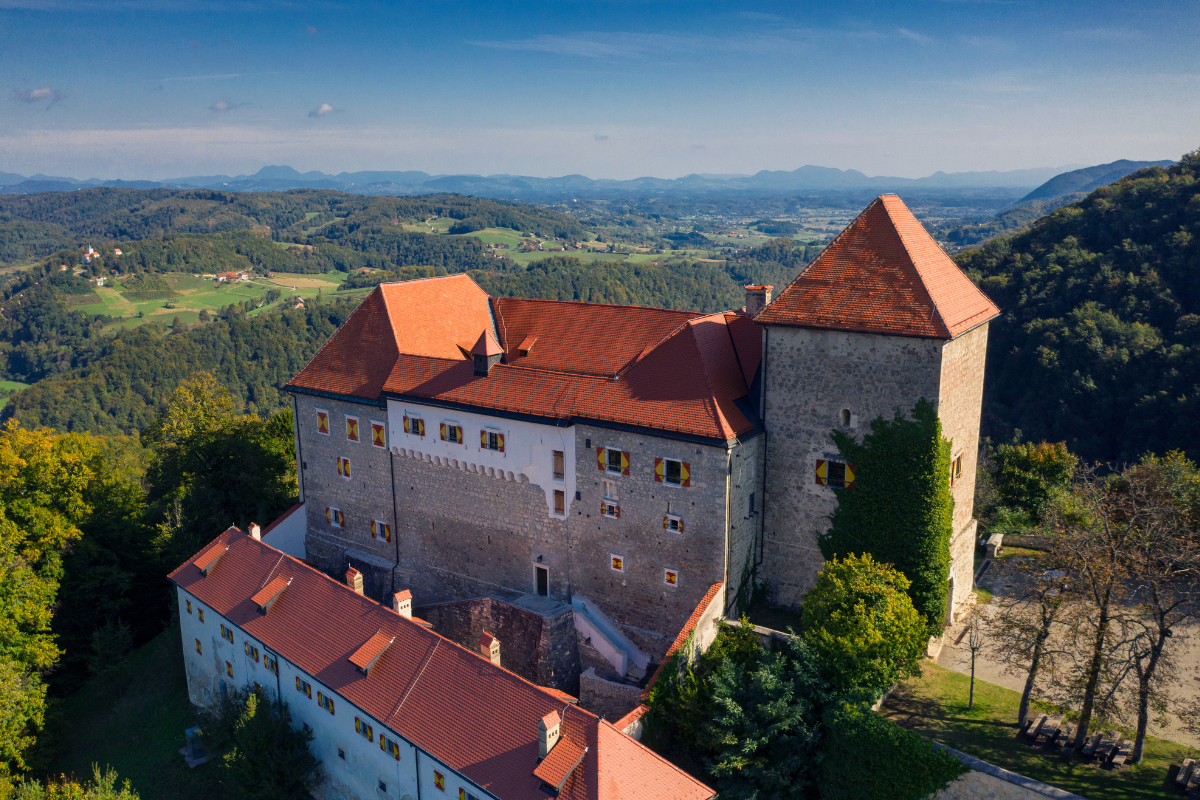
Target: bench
[[1108, 743], [1089, 749], [1122, 754], [1035, 725], [1049, 728], [1185, 772], [1064, 735]]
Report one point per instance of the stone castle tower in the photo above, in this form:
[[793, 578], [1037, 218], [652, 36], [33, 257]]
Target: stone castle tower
[[880, 320]]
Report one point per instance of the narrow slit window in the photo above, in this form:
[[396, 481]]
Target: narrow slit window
[[560, 501], [559, 467]]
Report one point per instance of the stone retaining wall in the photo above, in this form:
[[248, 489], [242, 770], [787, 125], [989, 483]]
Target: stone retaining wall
[[607, 699]]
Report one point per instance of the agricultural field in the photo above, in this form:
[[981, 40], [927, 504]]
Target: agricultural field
[[7, 388], [189, 295]]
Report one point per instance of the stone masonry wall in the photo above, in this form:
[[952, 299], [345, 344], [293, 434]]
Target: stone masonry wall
[[363, 497], [537, 647], [607, 699], [811, 376], [961, 397], [745, 525], [649, 611]]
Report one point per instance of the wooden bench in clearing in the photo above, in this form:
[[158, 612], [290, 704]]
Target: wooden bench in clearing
[[1185, 772], [1034, 725], [1089, 749], [1108, 743], [1122, 754], [1049, 728], [1064, 735]]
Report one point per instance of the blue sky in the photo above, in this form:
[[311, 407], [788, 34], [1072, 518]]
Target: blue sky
[[166, 88]]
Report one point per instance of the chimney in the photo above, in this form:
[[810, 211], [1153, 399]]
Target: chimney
[[757, 298], [402, 603], [489, 647], [255, 532], [354, 579], [548, 729], [486, 353]]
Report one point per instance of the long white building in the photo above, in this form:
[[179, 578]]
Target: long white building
[[397, 711]]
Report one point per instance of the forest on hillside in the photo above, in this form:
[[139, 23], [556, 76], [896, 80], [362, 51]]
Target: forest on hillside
[[1099, 340]]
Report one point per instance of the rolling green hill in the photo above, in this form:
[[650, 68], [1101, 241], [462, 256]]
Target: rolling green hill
[[1099, 343]]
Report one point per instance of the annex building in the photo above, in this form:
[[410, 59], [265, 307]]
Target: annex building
[[576, 478]]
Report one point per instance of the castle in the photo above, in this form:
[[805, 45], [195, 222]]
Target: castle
[[581, 472]]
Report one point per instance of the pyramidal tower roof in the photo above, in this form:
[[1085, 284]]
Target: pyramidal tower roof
[[883, 274]]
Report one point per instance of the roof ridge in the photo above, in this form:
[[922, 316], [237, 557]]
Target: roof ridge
[[607, 305], [936, 316], [642, 356], [378, 290]]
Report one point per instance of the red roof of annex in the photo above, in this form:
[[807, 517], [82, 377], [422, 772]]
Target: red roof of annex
[[883, 274], [479, 719]]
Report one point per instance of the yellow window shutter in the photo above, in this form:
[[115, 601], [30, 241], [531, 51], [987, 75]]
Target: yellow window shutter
[[406, 425], [821, 472], [685, 473], [658, 470], [460, 435], [483, 439], [443, 431], [849, 476], [600, 458], [500, 438], [624, 462]]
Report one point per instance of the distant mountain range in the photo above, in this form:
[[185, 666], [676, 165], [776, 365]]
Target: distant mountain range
[[1088, 178], [807, 178]]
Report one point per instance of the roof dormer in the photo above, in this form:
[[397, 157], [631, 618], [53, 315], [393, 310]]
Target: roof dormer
[[365, 657], [486, 353]]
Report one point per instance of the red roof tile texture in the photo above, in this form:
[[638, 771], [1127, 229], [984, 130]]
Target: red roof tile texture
[[479, 719], [883, 274], [364, 657], [669, 370]]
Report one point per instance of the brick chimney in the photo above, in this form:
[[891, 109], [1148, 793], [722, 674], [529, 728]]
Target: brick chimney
[[548, 730], [402, 603], [489, 647], [255, 531], [354, 579], [757, 298]]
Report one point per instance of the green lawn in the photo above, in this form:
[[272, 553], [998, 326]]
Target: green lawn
[[935, 705], [7, 388], [133, 720]]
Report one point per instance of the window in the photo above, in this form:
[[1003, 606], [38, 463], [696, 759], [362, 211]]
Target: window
[[343, 467], [956, 467], [491, 440], [414, 425], [672, 523], [378, 437], [389, 747], [837, 474], [227, 634], [616, 562], [608, 508], [363, 729], [341, 754], [671, 577], [610, 460], [229, 669], [381, 530], [559, 471], [304, 687], [452, 433], [352, 429], [541, 576], [560, 501], [251, 651], [610, 490], [200, 614], [189, 606], [334, 517], [672, 472], [383, 787], [750, 509], [325, 702], [322, 421], [199, 649], [271, 663], [845, 418], [439, 780]]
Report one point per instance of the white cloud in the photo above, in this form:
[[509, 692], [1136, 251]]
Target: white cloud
[[44, 94], [222, 106], [322, 110], [919, 38]]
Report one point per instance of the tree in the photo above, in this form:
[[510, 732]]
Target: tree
[[103, 786], [1027, 474], [1163, 565], [900, 509], [216, 468], [862, 627], [262, 753]]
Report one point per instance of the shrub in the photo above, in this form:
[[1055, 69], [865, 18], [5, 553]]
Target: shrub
[[1027, 474], [102, 787], [868, 757], [861, 626]]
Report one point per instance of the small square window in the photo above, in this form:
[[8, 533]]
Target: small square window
[[560, 502], [378, 434], [414, 425], [452, 433], [383, 787], [616, 562], [343, 467], [199, 650], [673, 523], [610, 509], [189, 606], [672, 472], [200, 614], [671, 577], [559, 465], [322, 421], [836, 474], [352, 429], [491, 440], [381, 530], [439, 780], [341, 754], [616, 461], [956, 469], [334, 517]]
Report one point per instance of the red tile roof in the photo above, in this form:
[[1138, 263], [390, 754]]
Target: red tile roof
[[486, 345], [270, 593], [479, 719], [675, 371], [883, 274], [365, 657], [560, 763]]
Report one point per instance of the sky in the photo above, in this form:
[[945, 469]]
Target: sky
[[155, 89]]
